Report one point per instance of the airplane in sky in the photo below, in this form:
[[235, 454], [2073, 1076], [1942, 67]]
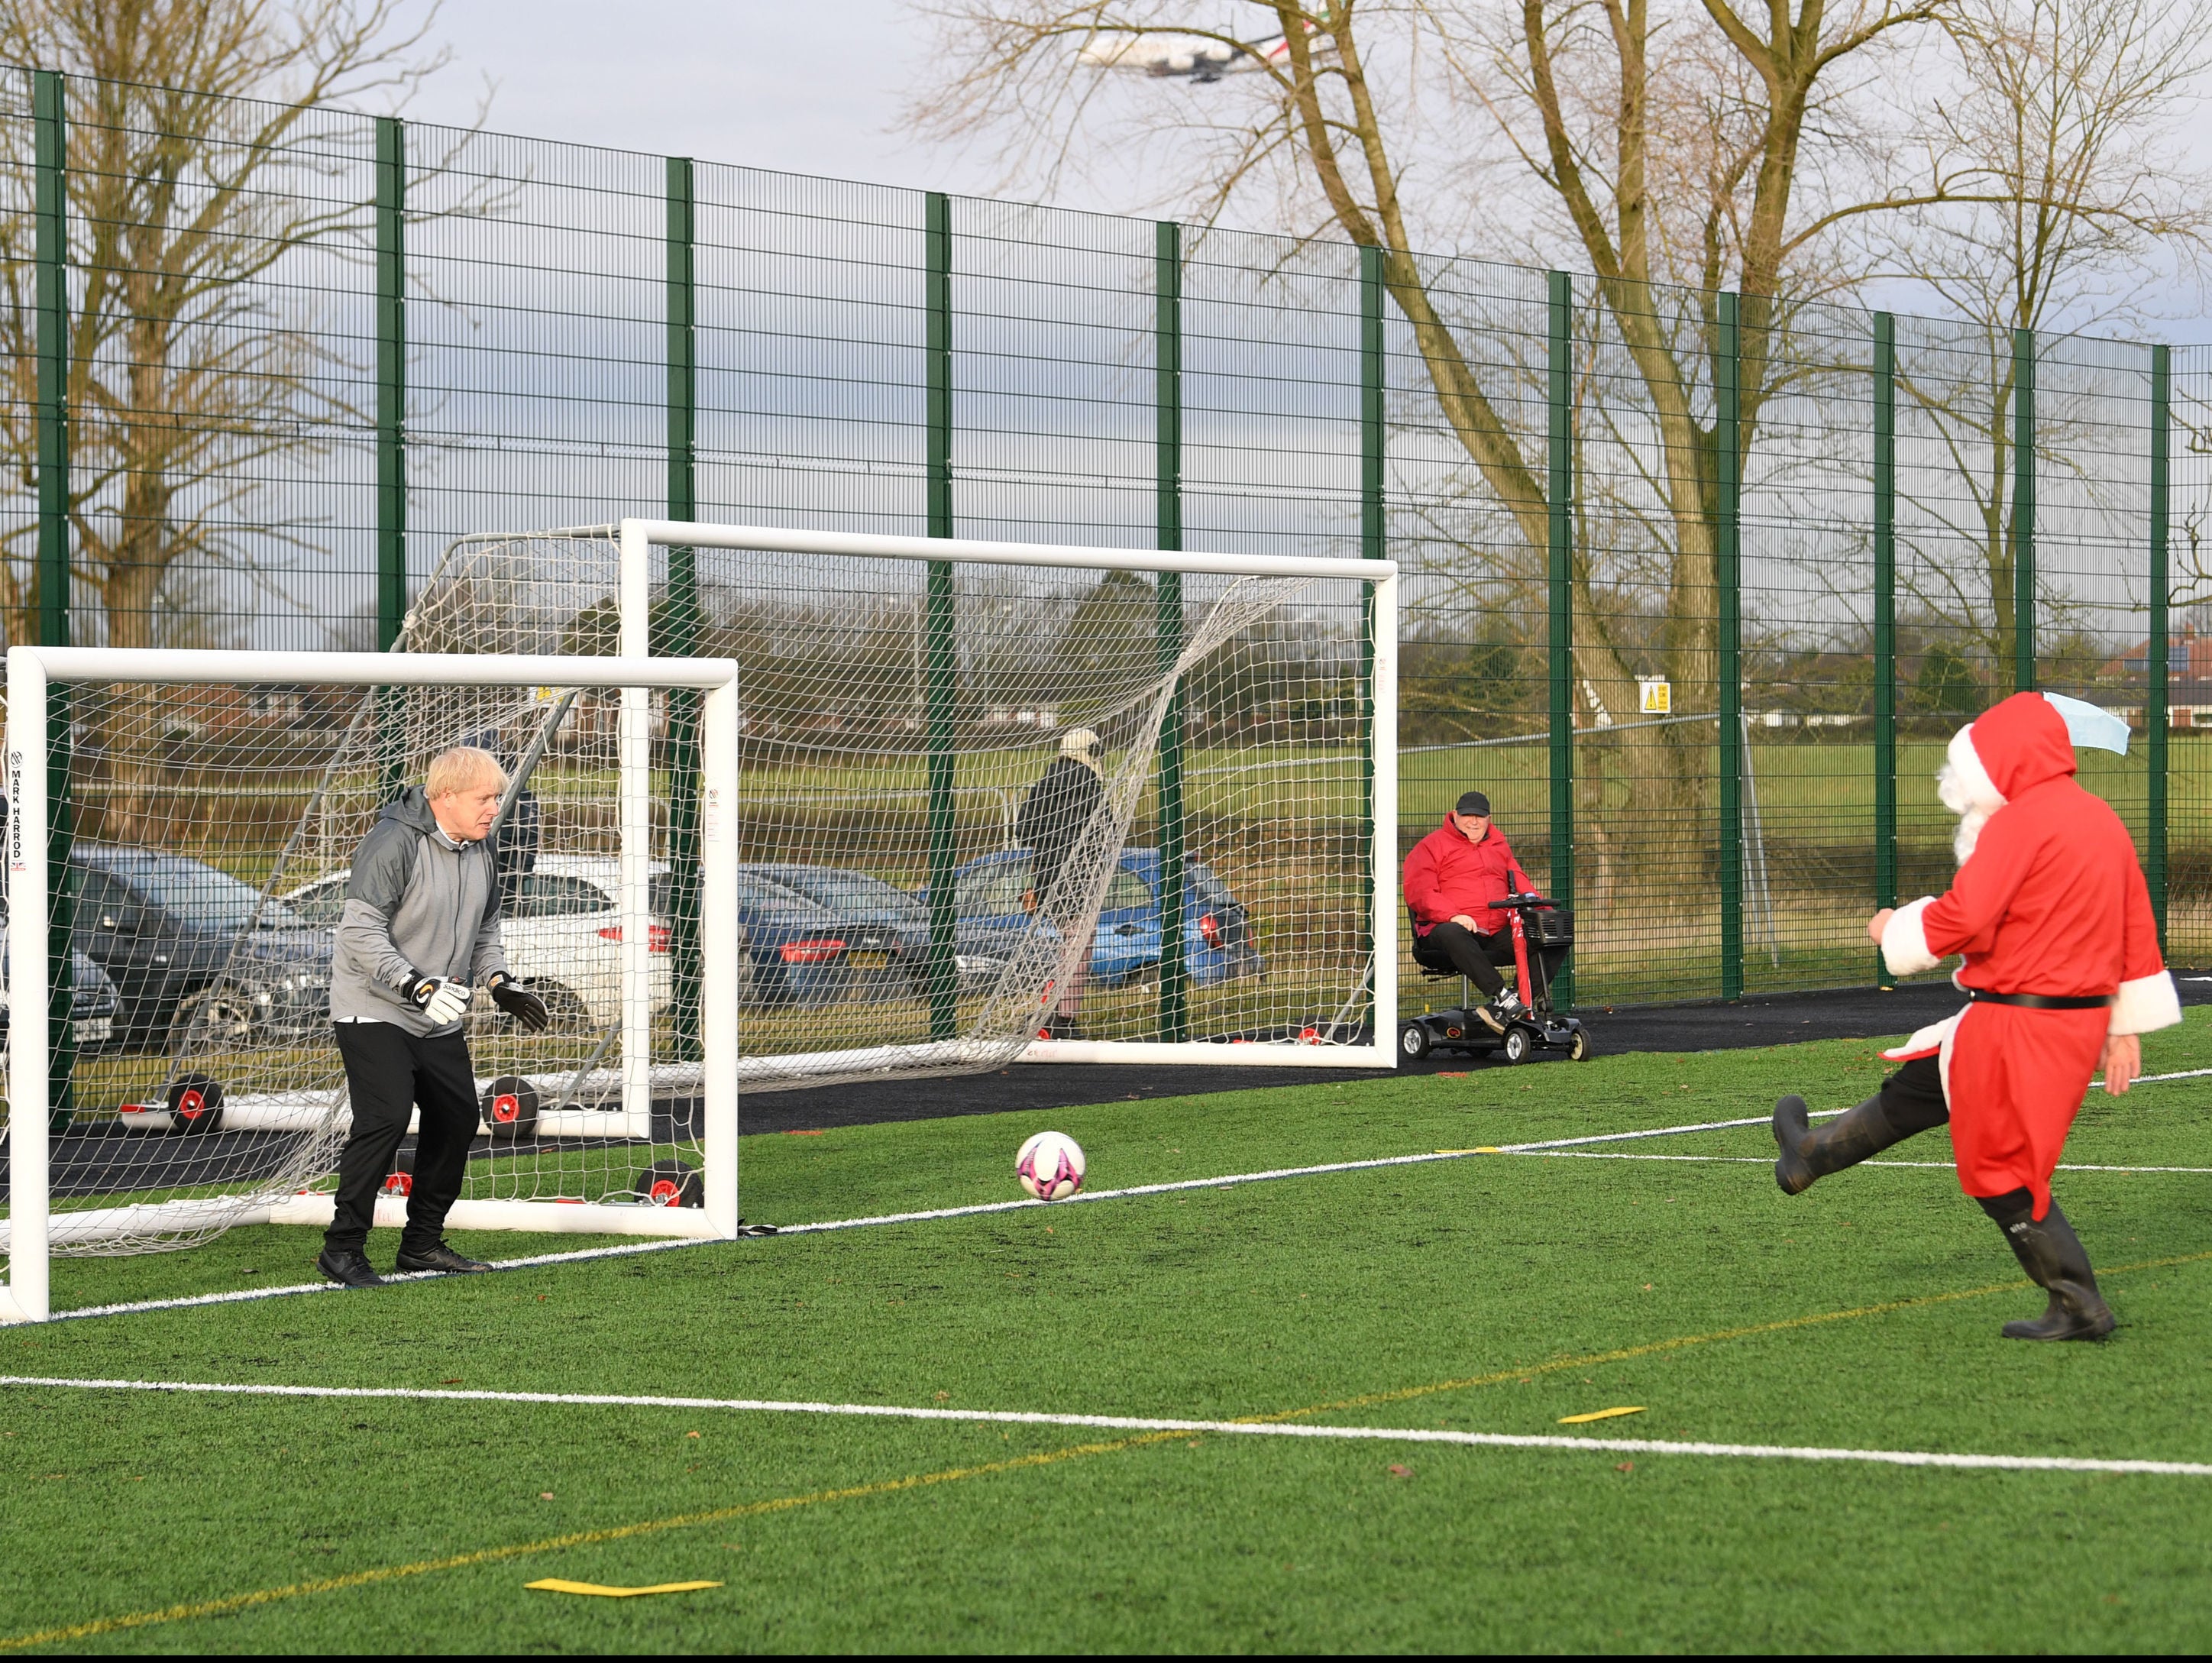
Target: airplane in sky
[[1191, 56]]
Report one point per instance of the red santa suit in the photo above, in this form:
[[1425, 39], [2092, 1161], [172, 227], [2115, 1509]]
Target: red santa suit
[[2048, 901]]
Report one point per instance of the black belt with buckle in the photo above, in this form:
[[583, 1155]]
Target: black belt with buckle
[[2043, 1001]]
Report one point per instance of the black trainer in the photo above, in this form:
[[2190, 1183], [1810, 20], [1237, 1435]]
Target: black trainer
[[348, 1267], [439, 1257]]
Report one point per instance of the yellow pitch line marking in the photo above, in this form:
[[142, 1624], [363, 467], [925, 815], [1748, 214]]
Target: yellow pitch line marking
[[1073, 1452], [239, 1602], [1599, 1415], [1626, 1354], [561, 1584]]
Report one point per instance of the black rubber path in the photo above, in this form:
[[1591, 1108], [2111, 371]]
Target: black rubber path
[[1780, 1020]]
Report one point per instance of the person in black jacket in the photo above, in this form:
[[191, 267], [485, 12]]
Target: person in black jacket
[[1055, 815]]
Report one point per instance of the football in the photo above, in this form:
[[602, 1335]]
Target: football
[[1050, 1166]]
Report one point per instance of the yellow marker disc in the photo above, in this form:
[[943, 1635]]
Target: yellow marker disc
[[1486, 1148], [558, 1585], [1600, 1415]]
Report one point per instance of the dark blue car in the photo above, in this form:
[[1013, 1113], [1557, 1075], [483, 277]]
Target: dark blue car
[[1217, 929], [796, 953], [871, 907]]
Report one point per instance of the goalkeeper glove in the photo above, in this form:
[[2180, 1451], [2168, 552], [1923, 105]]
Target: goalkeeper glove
[[520, 1003], [441, 998]]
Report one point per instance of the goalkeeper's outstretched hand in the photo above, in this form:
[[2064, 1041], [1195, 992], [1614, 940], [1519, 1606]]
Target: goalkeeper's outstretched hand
[[520, 1003]]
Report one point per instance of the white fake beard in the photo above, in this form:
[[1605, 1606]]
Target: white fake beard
[[1971, 819]]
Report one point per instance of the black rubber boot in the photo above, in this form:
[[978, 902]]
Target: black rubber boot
[[1845, 1140], [348, 1267], [2051, 1254], [439, 1257]]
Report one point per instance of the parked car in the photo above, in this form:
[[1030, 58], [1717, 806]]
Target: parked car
[[797, 952], [162, 926], [92, 1000], [1217, 927], [561, 929], [895, 923]]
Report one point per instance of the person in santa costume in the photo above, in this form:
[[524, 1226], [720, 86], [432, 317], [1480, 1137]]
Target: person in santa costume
[[2062, 973]]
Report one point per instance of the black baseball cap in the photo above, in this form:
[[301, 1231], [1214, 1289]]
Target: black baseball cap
[[1473, 802]]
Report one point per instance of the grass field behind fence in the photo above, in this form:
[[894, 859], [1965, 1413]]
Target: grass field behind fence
[[1494, 1292]]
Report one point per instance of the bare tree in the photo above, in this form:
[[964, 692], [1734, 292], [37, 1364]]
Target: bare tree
[[1690, 143], [2079, 113], [210, 203], [196, 171]]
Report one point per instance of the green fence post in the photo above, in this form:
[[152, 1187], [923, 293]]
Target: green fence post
[[50, 163], [1166, 350], [682, 628], [1558, 636], [391, 434], [2156, 712], [2023, 510], [1373, 541], [938, 720], [390, 381], [1885, 624], [1727, 445]]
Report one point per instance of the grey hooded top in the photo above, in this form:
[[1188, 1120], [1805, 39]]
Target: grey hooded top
[[418, 904]]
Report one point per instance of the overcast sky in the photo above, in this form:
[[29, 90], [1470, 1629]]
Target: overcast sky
[[806, 86], [803, 85]]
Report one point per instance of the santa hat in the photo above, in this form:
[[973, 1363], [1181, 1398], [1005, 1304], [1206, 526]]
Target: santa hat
[[2009, 748]]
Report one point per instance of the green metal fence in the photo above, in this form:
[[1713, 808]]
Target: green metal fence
[[1699, 586]]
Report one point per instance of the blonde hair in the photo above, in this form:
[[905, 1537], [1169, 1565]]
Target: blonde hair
[[459, 768]]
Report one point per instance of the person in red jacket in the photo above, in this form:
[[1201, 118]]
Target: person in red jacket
[[1450, 879], [2062, 973]]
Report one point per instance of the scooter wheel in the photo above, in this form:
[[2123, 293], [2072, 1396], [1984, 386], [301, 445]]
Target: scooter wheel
[[1412, 1041], [1578, 1047], [1516, 1045]]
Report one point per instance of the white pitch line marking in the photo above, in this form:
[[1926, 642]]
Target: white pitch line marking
[[1149, 1424]]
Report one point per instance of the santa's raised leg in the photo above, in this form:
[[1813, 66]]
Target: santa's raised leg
[[2062, 972]]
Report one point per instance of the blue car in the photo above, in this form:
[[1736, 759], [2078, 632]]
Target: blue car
[[874, 910], [796, 953], [1217, 929]]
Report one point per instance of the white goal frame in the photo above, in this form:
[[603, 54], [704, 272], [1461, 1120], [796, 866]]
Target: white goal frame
[[34, 671], [638, 538]]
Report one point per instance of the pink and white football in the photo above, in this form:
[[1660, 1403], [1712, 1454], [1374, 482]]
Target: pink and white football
[[1050, 1166]]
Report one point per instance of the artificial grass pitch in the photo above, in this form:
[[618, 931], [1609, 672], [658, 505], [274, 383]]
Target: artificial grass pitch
[[1496, 1293]]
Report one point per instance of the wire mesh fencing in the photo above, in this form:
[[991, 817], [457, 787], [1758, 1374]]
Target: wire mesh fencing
[[1697, 584]]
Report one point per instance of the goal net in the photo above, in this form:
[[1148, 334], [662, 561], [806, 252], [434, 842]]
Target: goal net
[[902, 699], [954, 804], [170, 940]]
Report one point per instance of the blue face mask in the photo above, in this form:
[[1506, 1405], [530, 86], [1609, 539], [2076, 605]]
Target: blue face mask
[[2090, 724]]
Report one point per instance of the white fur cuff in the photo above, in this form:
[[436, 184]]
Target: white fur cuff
[[1904, 940], [2146, 1003]]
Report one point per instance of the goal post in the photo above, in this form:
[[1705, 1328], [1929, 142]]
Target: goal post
[[136, 724], [1260, 602]]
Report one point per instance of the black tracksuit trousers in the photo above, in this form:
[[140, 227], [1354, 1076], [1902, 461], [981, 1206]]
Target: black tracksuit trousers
[[388, 1072], [1478, 958]]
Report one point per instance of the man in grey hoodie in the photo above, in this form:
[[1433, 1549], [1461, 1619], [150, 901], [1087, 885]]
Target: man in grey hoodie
[[420, 930]]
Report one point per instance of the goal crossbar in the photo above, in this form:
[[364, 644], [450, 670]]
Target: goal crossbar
[[34, 671]]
